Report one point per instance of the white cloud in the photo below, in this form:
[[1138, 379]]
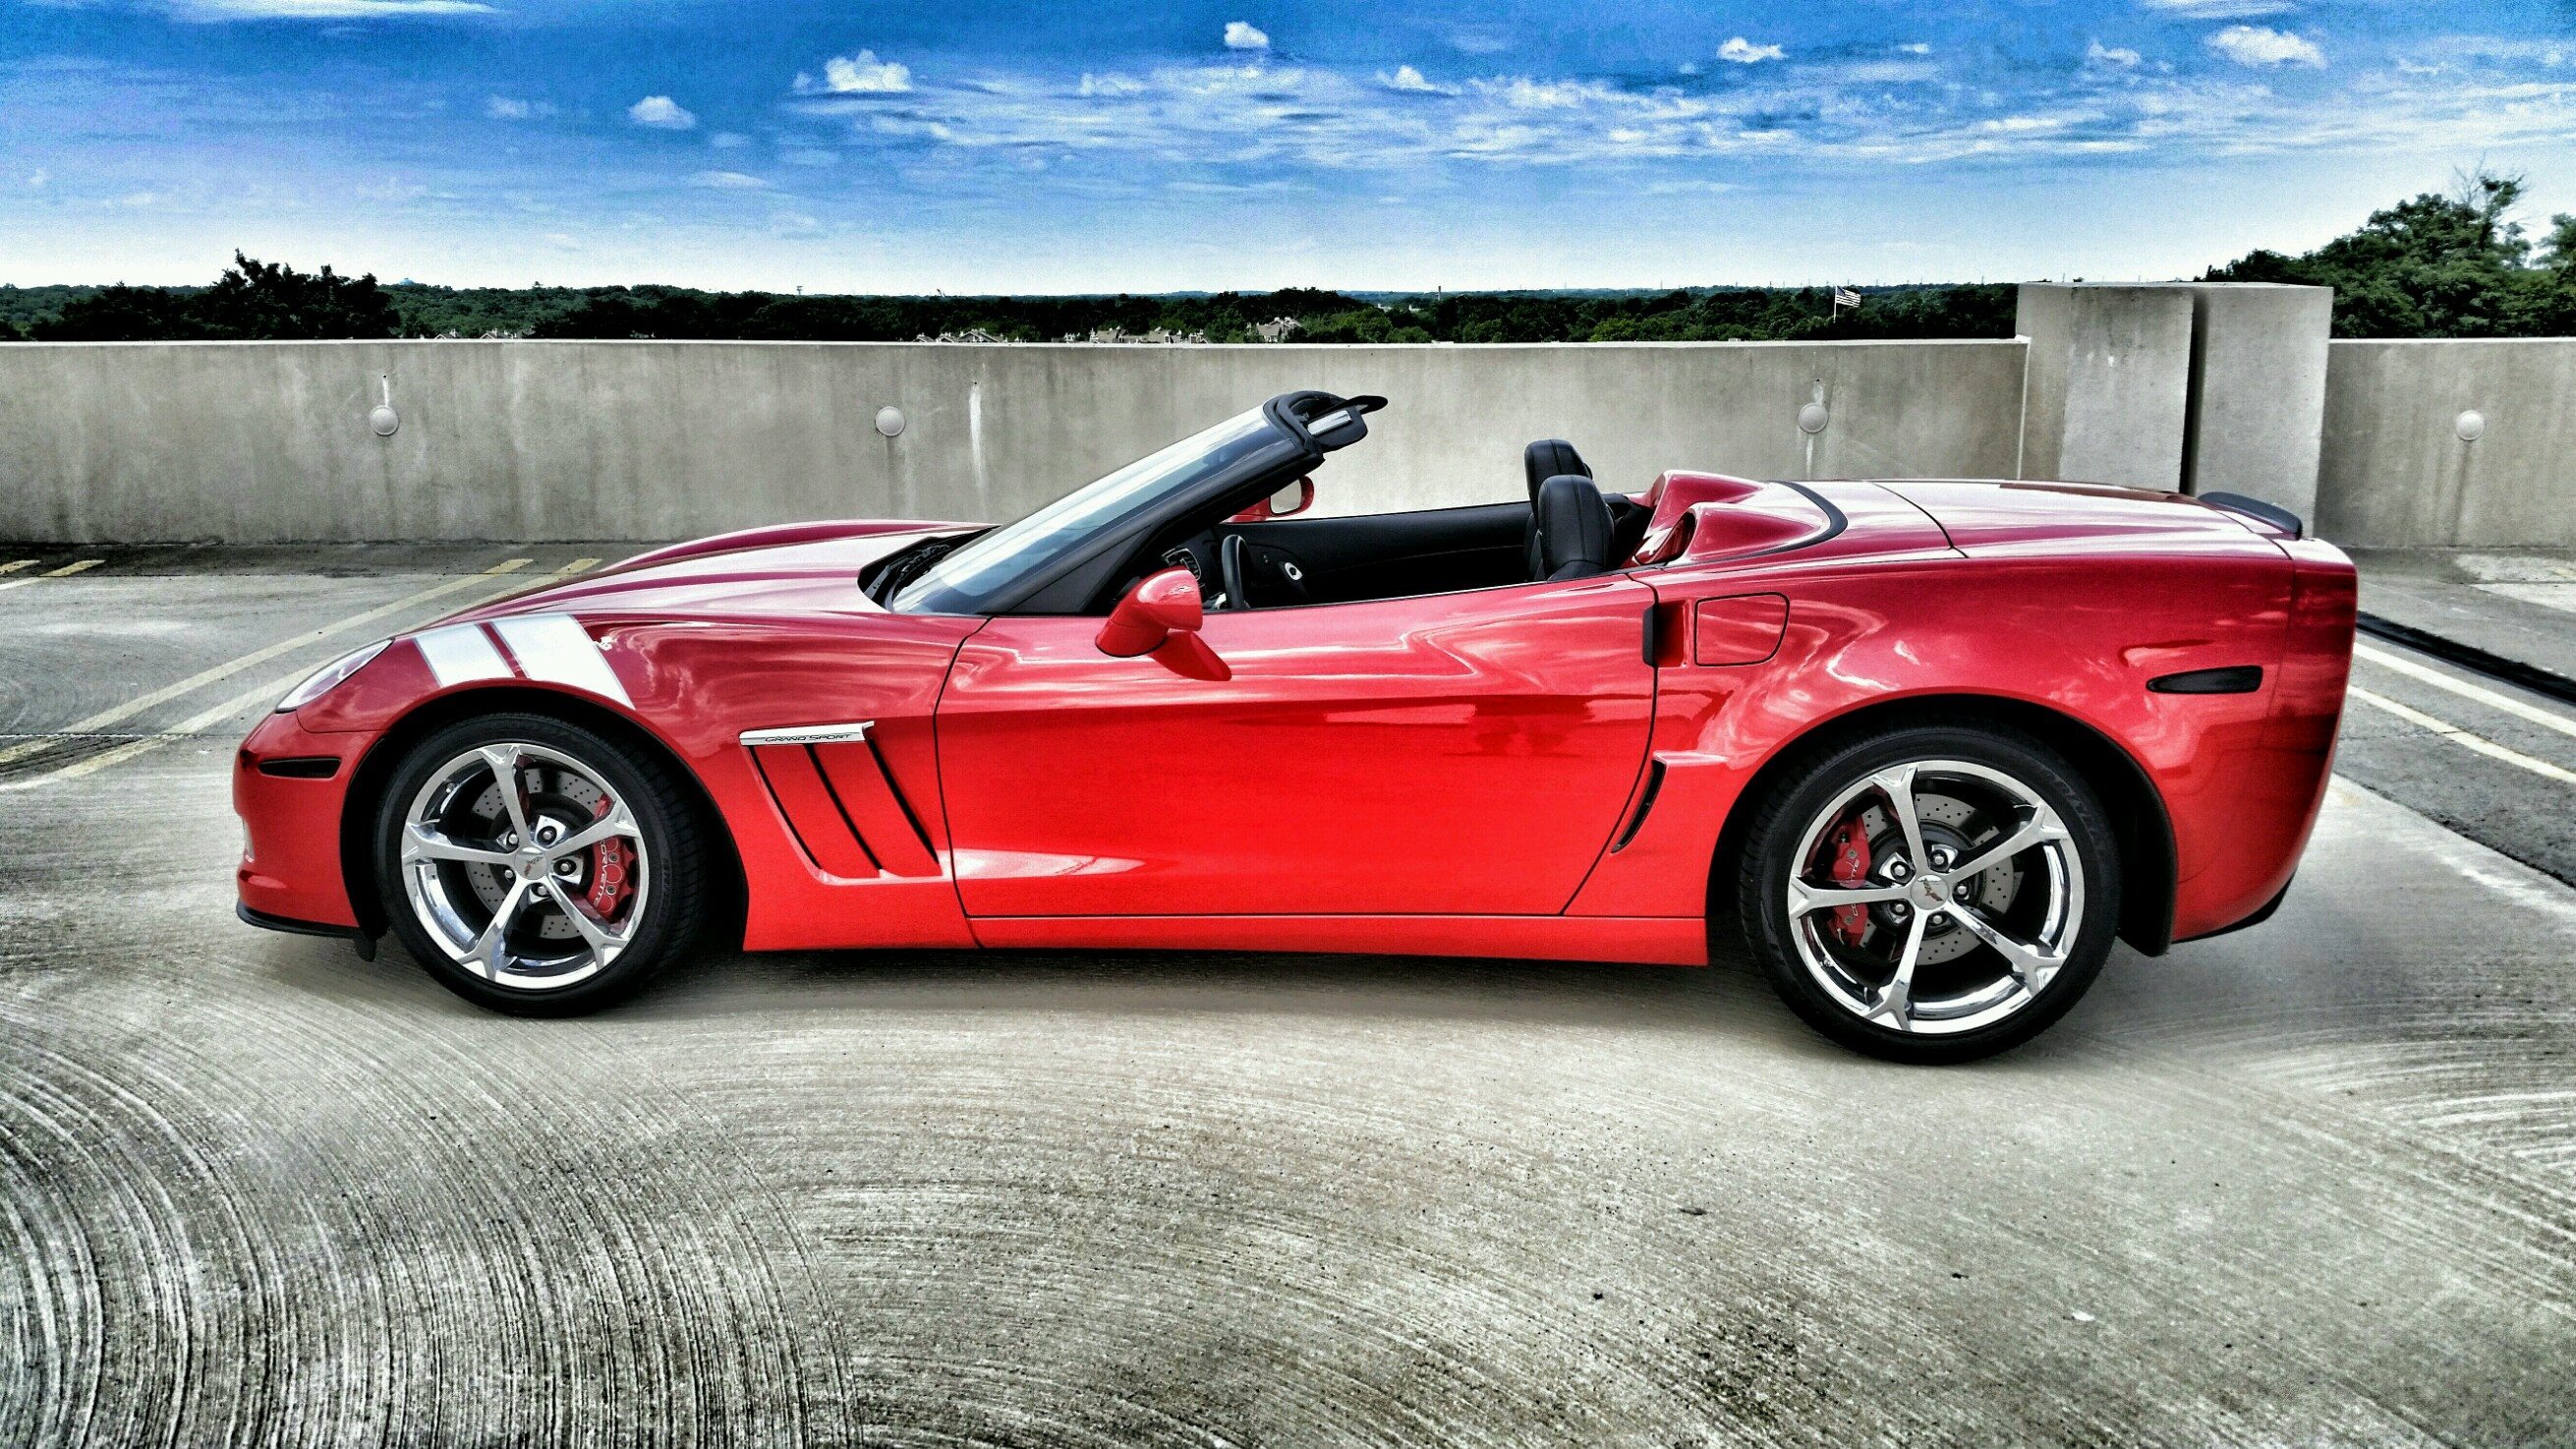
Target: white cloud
[[2119, 56], [326, 9], [2220, 9], [1531, 95], [510, 108], [1406, 78], [38, 179], [1206, 121], [1243, 35], [661, 112], [1745, 52], [1916, 48], [728, 181], [2261, 45], [728, 140], [858, 75]]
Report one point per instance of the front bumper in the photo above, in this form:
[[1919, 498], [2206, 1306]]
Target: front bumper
[[290, 867]]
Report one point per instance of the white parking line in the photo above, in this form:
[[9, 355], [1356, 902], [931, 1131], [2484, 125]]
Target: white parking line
[[275, 689], [15, 564], [197, 723], [2461, 687], [2448, 730]]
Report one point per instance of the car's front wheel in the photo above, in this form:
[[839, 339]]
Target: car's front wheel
[[1931, 893], [538, 867]]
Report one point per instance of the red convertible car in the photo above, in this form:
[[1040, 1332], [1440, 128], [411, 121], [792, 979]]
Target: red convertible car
[[1930, 746]]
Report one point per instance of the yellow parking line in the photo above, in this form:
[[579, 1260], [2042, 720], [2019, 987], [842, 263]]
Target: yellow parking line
[[117, 714], [207, 719], [2450, 731], [2466, 690], [66, 571]]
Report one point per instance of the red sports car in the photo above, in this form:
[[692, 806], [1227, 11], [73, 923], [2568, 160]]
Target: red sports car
[[1929, 745]]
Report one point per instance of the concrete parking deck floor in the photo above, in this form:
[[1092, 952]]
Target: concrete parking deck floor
[[2310, 1184]]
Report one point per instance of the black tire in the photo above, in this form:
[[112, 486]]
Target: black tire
[[1783, 816], [670, 918]]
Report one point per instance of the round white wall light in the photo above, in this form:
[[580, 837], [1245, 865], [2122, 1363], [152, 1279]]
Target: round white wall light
[[890, 421], [2472, 425]]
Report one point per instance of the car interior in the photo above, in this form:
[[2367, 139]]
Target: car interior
[[1568, 529]]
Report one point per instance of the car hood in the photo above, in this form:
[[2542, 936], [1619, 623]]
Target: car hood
[[794, 568]]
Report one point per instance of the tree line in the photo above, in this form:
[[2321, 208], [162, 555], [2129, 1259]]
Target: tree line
[[2450, 264]]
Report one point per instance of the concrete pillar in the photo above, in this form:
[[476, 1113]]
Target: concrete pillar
[[2107, 395], [2258, 391]]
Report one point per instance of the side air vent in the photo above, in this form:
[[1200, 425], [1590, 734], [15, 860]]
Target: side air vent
[[796, 782], [840, 800], [1645, 804], [2236, 679], [878, 812]]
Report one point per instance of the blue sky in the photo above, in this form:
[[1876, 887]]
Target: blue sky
[[1183, 145]]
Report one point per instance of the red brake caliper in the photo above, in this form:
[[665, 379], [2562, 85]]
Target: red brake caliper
[[1851, 868], [609, 861]]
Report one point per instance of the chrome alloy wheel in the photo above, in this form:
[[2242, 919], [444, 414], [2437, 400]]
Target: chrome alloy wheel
[[1936, 897], [523, 866]]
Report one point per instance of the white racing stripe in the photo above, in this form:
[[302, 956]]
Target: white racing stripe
[[556, 649], [2457, 735], [461, 654], [2519, 709]]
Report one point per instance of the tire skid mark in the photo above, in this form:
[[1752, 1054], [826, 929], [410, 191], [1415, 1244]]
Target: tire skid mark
[[518, 1275]]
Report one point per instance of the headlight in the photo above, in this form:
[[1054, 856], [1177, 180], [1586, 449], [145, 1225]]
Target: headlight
[[327, 678]]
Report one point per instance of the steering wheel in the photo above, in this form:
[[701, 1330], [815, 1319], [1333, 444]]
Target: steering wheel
[[1229, 560]]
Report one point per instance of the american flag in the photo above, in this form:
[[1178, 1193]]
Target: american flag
[[1845, 297]]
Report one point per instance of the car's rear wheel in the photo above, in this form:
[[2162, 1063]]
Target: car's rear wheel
[[1931, 893], [538, 867]]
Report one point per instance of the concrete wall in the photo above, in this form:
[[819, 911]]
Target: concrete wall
[[2258, 389], [649, 440], [2211, 388], [2110, 383], [2395, 470]]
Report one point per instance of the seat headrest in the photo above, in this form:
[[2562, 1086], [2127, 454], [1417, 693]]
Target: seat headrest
[[1570, 529], [1551, 458]]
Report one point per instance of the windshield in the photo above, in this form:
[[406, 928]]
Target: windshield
[[960, 582]]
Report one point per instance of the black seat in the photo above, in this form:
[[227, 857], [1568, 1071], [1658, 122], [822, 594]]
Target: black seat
[[1570, 530], [1551, 458]]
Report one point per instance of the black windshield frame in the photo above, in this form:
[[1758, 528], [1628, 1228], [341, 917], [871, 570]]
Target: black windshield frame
[[1060, 558]]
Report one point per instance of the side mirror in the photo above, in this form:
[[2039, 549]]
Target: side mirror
[[1288, 502], [1160, 606]]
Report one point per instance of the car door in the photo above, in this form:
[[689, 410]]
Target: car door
[[1461, 753]]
